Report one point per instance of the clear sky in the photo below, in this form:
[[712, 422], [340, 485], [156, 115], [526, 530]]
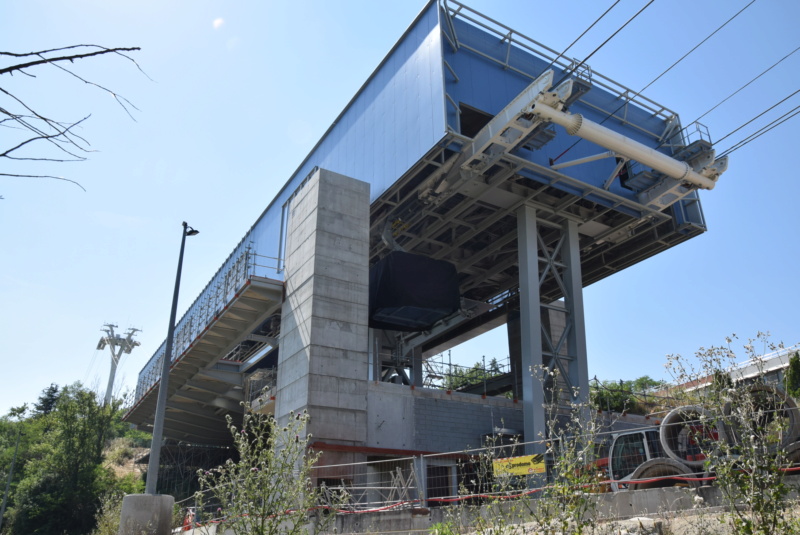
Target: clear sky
[[237, 93]]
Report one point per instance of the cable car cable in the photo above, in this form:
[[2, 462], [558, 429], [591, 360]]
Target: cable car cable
[[777, 122], [729, 134], [570, 71], [748, 83], [638, 93], [561, 55]]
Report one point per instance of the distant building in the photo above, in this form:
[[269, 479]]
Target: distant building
[[769, 368], [448, 198]]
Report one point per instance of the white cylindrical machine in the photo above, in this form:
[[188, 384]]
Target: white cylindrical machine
[[577, 125], [687, 432]]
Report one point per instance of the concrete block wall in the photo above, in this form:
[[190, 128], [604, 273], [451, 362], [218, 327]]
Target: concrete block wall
[[323, 363], [432, 420], [459, 423], [390, 416]]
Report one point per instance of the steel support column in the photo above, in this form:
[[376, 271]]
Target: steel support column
[[531, 330], [573, 301], [417, 368]]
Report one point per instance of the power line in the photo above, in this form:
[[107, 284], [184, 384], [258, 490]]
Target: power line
[[638, 93]]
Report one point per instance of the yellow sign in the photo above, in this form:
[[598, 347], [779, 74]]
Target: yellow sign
[[519, 466]]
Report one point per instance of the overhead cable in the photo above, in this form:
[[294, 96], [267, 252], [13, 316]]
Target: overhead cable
[[561, 55], [698, 45], [723, 101], [638, 93], [578, 66], [729, 134], [747, 84], [777, 122]]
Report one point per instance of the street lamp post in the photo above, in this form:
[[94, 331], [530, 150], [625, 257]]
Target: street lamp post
[[161, 405]]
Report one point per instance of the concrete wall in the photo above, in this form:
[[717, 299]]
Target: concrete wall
[[431, 420], [323, 363]]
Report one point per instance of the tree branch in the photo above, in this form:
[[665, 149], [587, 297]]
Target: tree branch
[[59, 134], [71, 58], [43, 176]]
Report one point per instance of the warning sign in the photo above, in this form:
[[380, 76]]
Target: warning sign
[[519, 466]]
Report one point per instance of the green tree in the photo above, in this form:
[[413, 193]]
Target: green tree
[[619, 396], [461, 376], [47, 400], [792, 378], [63, 477]]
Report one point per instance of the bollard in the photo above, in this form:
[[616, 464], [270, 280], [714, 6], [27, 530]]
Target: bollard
[[146, 514]]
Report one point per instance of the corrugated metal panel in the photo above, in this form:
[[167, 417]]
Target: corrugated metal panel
[[390, 124]]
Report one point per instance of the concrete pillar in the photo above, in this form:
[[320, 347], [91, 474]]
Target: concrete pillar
[[534, 417], [146, 514], [324, 342]]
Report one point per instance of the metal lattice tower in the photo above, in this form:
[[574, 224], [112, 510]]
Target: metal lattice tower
[[118, 345]]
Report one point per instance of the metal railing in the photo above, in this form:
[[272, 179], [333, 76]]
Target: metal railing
[[242, 264], [259, 384], [513, 38]]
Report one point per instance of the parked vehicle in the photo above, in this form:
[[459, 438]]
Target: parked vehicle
[[671, 454]]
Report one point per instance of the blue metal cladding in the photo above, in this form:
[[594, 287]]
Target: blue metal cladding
[[403, 110], [395, 118], [488, 71]]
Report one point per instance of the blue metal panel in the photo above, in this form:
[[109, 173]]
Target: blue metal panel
[[395, 118], [489, 72], [404, 110]]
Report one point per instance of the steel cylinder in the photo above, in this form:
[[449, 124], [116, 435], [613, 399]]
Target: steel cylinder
[[687, 432]]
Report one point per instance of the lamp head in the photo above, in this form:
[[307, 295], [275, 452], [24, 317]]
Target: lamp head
[[189, 231]]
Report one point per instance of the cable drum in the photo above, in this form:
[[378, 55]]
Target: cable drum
[[769, 404], [686, 432]]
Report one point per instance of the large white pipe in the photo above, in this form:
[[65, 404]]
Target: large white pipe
[[577, 125]]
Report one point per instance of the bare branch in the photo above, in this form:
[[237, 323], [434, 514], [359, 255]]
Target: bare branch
[[60, 135], [118, 98], [43, 176], [63, 134], [72, 58], [40, 52]]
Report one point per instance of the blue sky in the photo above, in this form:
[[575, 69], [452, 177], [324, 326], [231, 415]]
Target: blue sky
[[238, 92]]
